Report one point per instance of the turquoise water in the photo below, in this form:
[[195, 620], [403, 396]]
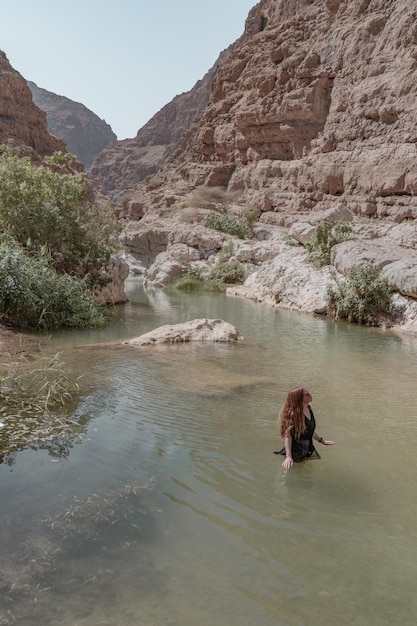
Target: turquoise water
[[171, 509]]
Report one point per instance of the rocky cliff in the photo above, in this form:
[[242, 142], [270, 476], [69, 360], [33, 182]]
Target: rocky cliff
[[20, 120], [315, 104], [123, 164], [312, 115], [83, 132]]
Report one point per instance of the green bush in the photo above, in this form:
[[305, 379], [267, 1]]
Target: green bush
[[33, 295], [362, 297], [45, 209], [191, 279], [230, 272], [241, 228], [326, 236]]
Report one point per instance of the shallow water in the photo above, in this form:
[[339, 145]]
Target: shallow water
[[171, 508]]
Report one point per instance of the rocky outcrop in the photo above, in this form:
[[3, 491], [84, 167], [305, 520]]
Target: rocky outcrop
[[83, 132], [123, 164], [195, 330], [21, 121], [314, 105], [311, 116]]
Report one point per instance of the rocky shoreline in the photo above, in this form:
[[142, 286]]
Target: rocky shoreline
[[276, 270]]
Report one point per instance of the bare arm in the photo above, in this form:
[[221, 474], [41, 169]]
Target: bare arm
[[288, 461], [325, 442]]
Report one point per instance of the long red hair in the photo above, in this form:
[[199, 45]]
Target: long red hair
[[291, 417]]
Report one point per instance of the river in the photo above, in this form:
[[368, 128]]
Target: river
[[170, 509]]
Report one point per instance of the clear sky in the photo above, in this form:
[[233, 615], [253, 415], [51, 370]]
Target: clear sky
[[123, 59]]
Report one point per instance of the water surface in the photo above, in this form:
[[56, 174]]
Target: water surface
[[171, 509]]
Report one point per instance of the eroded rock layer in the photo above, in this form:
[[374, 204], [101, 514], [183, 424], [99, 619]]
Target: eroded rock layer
[[315, 104]]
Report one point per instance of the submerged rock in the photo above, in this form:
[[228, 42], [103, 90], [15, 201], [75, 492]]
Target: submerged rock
[[193, 330]]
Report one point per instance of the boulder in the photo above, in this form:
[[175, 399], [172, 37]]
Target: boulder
[[195, 330], [165, 269], [402, 277], [349, 255], [288, 282], [114, 292], [302, 232]]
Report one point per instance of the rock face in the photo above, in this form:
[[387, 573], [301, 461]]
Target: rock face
[[312, 115], [194, 330], [315, 105], [20, 119], [123, 164], [84, 133]]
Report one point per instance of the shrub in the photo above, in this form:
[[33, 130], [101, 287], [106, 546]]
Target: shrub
[[42, 207], [361, 297], [227, 251], [191, 279], [241, 228], [230, 272], [326, 236], [224, 273], [33, 295]]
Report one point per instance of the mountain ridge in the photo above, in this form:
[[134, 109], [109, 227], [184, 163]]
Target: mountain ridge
[[83, 132]]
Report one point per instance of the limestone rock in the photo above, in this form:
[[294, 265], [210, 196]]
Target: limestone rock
[[288, 282], [114, 293], [349, 255], [149, 237], [165, 269], [194, 330], [302, 232], [402, 277]]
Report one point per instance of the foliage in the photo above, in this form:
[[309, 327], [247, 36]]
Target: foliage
[[34, 404], [241, 228], [229, 272], [222, 274], [33, 295], [44, 209], [361, 297], [62, 160], [290, 241], [326, 236], [191, 279], [227, 251]]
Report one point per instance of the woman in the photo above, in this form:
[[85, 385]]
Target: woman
[[297, 428]]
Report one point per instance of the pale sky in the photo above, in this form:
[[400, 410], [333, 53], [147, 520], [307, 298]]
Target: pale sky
[[123, 59]]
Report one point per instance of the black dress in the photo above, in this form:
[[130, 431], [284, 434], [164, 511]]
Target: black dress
[[302, 448]]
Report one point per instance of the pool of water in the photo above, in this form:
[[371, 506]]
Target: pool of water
[[171, 508]]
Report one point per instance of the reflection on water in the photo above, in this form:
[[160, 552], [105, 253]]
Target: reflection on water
[[173, 510]]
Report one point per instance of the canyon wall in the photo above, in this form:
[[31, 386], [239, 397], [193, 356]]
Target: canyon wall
[[315, 105]]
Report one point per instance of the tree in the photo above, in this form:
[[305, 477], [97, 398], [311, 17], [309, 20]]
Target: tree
[[45, 209]]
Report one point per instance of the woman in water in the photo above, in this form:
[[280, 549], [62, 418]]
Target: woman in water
[[297, 428]]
